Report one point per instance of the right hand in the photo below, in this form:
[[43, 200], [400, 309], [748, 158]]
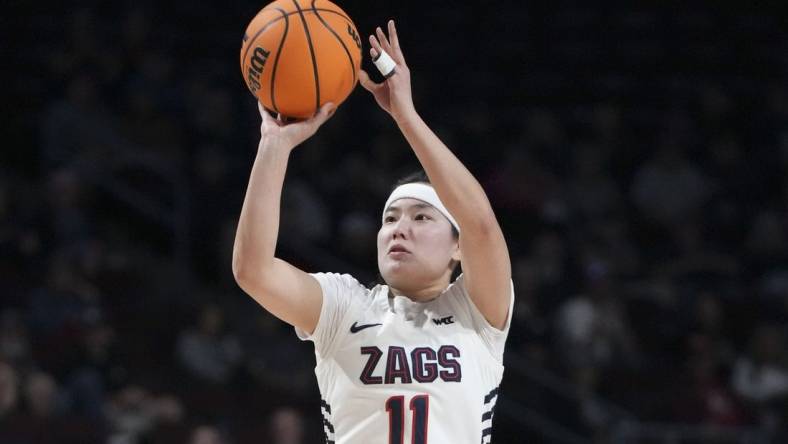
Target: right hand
[[290, 135], [393, 94]]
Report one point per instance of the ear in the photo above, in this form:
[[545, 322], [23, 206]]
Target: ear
[[457, 254]]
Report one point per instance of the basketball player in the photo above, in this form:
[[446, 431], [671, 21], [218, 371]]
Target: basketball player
[[419, 359]]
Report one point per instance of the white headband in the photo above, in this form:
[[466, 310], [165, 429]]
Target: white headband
[[422, 192]]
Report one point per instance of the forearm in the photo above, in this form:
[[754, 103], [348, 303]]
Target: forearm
[[457, 188], [258, 225]]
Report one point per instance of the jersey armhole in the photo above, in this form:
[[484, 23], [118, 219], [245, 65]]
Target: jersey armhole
[[493, 338]]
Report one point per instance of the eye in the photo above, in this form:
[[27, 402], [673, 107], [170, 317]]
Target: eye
[[422, 216], [388, 219]]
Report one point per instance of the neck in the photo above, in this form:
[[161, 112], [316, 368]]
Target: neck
[[420, 295]]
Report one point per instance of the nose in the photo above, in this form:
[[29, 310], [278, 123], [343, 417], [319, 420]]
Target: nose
[[400, 229]]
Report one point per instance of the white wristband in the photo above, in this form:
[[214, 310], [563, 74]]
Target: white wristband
[[385, 64]]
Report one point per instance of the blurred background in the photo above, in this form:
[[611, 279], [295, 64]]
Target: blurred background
[[636, 156]]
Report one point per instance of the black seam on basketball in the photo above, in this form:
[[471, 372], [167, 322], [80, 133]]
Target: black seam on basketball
[[276, 60], [341, 42], [285, 15], [257, 34], [261, 30], [311, 53], [333, 11]]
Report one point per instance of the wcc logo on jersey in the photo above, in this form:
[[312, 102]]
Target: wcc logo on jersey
[[446, 320]]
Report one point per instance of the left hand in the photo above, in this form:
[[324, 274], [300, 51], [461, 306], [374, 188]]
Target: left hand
[[278, 133], [394, 93]]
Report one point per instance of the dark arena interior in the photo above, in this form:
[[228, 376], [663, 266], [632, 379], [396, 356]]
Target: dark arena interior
[[635, 153]]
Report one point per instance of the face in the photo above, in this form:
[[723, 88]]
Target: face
[[416, 246]]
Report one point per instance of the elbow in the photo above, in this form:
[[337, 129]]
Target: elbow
[[250, 274], [245, 264], [240, 273], [244, 272], [247, 280]]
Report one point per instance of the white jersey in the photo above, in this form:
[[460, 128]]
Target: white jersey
[[391, 370]]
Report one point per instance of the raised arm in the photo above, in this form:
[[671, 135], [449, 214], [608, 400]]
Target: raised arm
[[287, 292], [485, 257]]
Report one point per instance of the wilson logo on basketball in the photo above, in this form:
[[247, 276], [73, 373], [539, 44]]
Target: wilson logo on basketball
[[256, 65], [355, 36]]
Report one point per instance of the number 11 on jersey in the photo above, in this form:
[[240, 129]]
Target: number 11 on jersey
[[420, 406]]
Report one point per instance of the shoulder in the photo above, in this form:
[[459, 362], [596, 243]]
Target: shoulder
[[457, 295], [339, 281], [456, 288]]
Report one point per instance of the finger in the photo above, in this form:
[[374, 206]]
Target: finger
[[396, 52], [366, 82], [393, 35], [384, 41], [323, 114], [263, 112], [374, 45], [267, 119], [326, 111]]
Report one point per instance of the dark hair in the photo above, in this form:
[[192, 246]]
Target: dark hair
[[419, 176]]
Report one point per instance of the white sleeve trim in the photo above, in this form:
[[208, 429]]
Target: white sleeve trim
[[340, 292]]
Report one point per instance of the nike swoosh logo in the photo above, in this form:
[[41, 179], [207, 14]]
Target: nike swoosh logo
[[355, 328]]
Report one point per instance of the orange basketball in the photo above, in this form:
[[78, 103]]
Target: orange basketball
[[299, 54]]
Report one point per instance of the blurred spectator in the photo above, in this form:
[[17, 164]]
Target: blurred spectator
[[98, 372], [593, 329], [767, 239], [550, 255], [78, 127], [207, 435], [357, 238], [711, 329], [287, 426], [207, 351], [282, 365], [67, 299], [41, 395], [129, 415], [693, 255], [668, 188], [134, 413], [67, 194], [9, 389], [592, 191], [520, 184], [529, 326], [761, 375], [301, 208], [15, 347], [704, 397]]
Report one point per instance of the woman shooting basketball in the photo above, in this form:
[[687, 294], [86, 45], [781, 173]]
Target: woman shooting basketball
[[418, 359]]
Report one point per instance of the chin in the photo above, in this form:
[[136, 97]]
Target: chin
[[396, 275], [404, 278]]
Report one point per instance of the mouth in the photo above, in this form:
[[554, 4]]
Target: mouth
[[398, 249]]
